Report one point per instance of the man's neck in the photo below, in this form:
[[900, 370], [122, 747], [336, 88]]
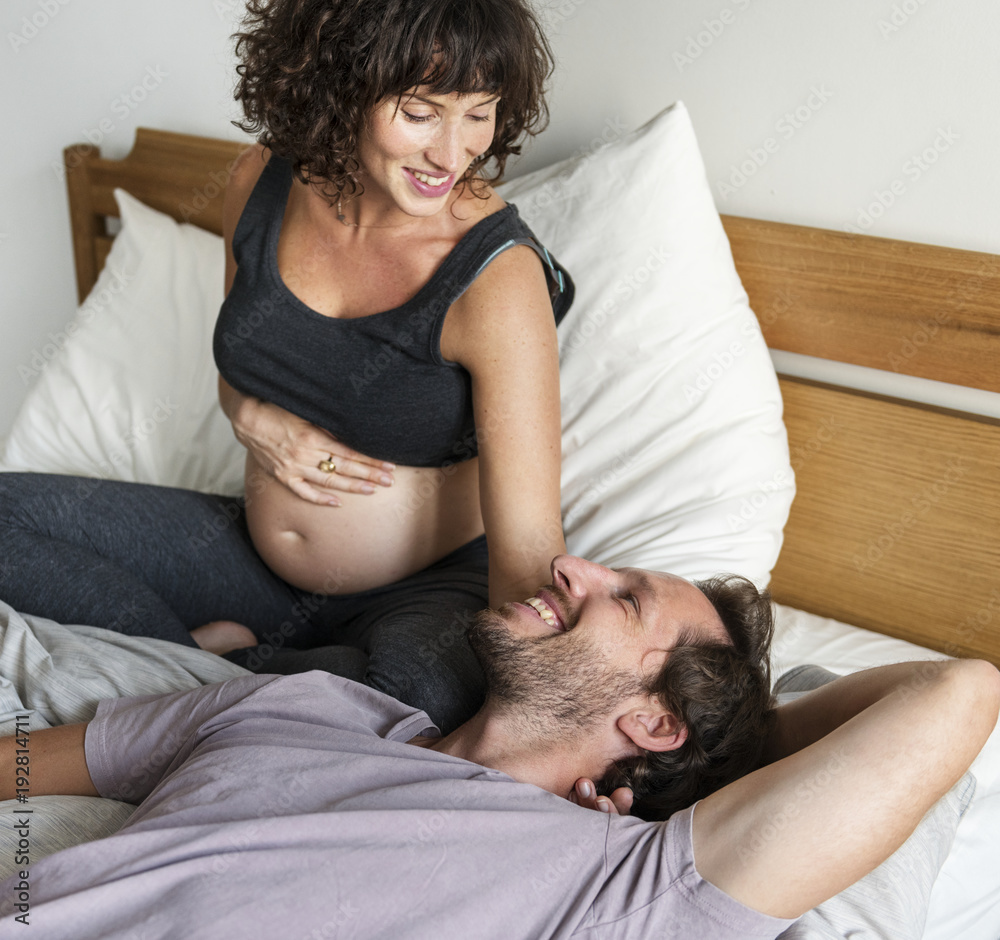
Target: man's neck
[[498, 743]]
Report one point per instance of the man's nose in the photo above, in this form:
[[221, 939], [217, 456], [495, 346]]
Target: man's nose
[[577, 576]]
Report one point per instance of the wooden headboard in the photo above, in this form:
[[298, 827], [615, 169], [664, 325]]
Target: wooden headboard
[[896, 521]]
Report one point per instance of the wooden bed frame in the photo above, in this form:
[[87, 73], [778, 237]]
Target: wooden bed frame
[[896, 522]]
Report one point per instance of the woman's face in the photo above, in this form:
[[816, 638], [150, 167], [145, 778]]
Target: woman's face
[[414, 154]]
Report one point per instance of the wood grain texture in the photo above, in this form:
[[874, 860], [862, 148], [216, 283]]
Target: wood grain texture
[[181, 175], [896, 522], [893, 305]]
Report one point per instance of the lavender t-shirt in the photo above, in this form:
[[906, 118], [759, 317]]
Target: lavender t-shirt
[[292, 807]]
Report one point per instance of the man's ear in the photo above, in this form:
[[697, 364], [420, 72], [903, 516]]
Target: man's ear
[[652, 728]]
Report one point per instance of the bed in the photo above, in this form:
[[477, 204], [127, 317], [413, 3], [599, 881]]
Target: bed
[[890, 549]]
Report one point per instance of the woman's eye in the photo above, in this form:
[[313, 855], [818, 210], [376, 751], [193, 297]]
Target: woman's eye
[[476, 117], [417, 118]]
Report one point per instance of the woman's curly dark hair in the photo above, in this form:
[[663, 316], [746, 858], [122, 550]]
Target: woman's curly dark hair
[[722, 694], [312, 72]]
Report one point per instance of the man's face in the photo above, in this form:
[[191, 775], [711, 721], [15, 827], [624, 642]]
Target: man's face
[[587, 641]]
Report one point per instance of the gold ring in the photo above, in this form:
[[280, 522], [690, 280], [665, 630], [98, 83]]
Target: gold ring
[[328, 466]]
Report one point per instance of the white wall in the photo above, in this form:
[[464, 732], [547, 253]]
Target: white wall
[[878, 81], [86, 65], [884, 94]]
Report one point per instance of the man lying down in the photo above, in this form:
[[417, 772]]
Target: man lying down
[[309, 806]]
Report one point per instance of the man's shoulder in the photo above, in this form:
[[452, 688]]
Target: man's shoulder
[[334, 701]]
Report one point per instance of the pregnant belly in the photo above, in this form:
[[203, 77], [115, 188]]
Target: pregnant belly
[[368, 541]]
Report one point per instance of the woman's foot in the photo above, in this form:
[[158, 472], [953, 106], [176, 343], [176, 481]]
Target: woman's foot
[[223, 636]]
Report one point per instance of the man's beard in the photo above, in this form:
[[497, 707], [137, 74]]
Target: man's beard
[[547, 685]]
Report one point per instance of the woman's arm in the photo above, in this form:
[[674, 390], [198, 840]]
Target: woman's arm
[[502, 330]]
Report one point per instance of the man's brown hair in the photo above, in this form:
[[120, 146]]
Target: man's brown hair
[[721, 693]]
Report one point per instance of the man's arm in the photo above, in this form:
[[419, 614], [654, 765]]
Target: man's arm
[[50, 761], [857, 764]]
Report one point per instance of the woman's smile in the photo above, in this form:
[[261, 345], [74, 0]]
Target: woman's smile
[[429, 185]]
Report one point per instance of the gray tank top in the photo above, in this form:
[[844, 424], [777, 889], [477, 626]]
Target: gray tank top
[[378, 383]]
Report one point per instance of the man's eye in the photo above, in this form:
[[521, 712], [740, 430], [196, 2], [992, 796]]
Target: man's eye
[[631, 599]]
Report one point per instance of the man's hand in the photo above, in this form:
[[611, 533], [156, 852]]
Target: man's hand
[[585, 794]]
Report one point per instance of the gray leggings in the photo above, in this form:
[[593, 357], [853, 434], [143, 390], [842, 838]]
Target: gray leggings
[[158, 561]]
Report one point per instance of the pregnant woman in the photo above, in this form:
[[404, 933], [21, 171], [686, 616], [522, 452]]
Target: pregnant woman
[[388, 357]]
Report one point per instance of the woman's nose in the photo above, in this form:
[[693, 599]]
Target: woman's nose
[[446, 150]]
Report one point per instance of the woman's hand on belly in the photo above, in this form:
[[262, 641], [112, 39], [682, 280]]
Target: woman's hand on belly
[[302, 457]]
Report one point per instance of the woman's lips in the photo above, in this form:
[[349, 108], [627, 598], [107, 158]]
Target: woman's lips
[[426, 189]]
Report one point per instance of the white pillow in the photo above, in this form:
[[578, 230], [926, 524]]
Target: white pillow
[[674, 453], [129, 390]]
